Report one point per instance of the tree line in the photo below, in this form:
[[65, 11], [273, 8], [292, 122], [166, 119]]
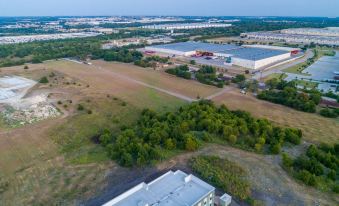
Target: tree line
[[286, 93], [187, 128]]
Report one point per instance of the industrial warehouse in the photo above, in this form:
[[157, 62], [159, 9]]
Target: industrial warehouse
[[251, 57]]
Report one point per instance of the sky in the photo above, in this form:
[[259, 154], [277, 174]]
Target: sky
[[327, 8]]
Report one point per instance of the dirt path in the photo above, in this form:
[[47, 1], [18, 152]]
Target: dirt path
[[270, 183]]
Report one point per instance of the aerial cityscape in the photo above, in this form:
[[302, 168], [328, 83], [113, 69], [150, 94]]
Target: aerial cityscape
[[169, 103]]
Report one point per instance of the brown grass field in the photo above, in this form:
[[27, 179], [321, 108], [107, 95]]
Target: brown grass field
[[56, 161], [315, 128], [160, 79]]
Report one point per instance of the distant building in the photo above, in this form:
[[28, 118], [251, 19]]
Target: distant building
[[186, 26], [331, 31], [290, 37], [247, 57], [171, 189], [44, 37]]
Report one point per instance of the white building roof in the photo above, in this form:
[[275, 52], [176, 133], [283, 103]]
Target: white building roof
[[171, 189]]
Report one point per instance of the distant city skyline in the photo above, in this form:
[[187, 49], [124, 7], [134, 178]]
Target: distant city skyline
[[323, 8]]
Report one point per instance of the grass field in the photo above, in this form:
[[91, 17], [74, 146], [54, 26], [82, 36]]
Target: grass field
[[315, 128], [55, 160], [276, 75], [160, 79]]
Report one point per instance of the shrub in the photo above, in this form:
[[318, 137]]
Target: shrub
[[306, 177], [43, 80], [287, 161], [80, 107], [328, 113]]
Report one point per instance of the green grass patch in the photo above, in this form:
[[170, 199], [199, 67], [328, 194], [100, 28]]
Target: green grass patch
[[277, 76], [226, 175], [307, 84]]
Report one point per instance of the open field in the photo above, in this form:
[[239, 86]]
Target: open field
[[315, 128], [57, 161], [54, 160], [160, 79]]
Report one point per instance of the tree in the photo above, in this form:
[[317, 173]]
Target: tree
[[26, 67], [192, 62], [275, 149], [169, 144], [232, 139], [287, 161]]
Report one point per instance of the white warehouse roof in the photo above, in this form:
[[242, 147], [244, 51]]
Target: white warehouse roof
[[242, 52], [171, 189]]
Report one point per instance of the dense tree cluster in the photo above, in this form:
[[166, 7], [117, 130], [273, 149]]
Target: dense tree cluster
[[180, 71], [330, 113], [120, 55], [318, 166], [151, 61], [223, 174], [286, 93], [207, 75], [190, 126]]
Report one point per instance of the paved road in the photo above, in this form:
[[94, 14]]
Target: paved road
[[279, 69]]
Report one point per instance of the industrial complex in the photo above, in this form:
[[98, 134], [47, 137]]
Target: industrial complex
[[44, 37], [186, 26], [251, 57], [171, 189], [327, 36]]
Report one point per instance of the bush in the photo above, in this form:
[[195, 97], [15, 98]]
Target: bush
[[239, 78], [328, 113], [80, 107], [43, 80], [287, 161], [306, 177]]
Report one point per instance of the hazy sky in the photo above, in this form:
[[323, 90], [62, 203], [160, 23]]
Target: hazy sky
[[170, 7]]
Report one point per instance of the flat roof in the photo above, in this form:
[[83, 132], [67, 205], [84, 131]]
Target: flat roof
[[171, 189], [196, 46], [248, 53], [255, 54]]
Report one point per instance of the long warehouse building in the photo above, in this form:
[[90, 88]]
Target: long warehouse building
[[248, 57]]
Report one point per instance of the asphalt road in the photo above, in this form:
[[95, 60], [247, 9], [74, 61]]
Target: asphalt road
[[279, 69]]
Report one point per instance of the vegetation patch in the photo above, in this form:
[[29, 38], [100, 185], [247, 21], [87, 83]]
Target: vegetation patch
[[318, 167], [206, 75], [225, 175], [188, 128], [286, 93]]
